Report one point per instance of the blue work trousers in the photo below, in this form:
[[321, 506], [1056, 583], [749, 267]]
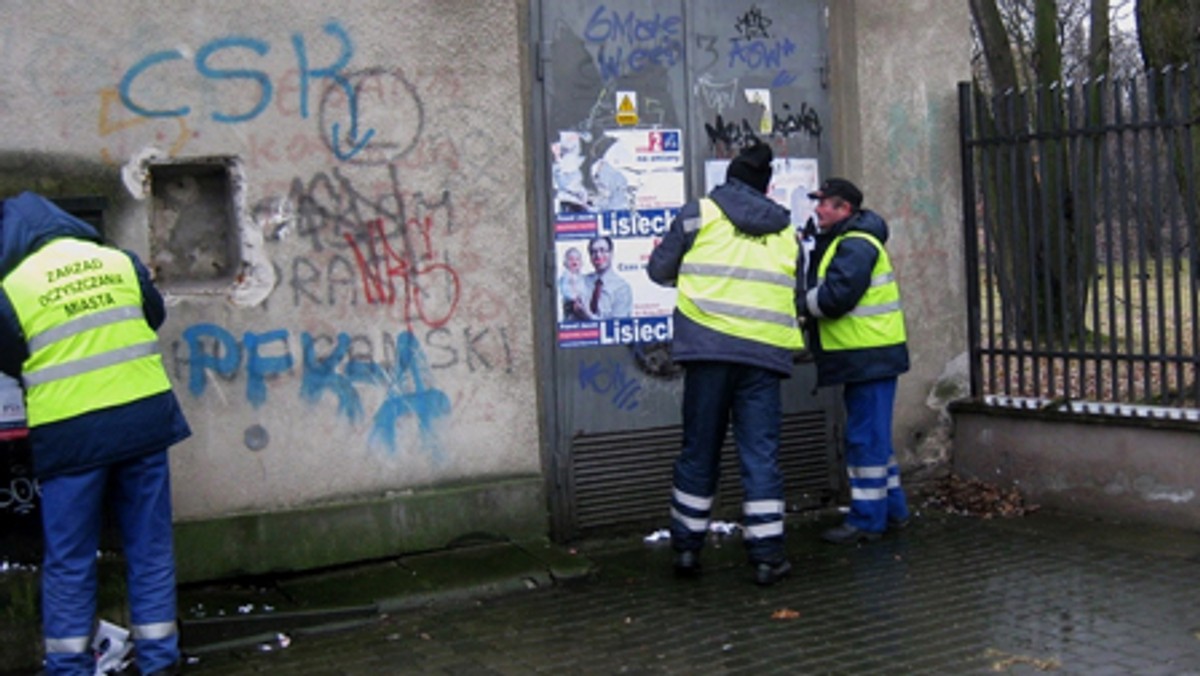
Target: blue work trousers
[[875, 493], [715, 392], [139, 491]]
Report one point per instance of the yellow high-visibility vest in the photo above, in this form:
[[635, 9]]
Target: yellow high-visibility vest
[[877, 320], [80, 308], [738, 284]]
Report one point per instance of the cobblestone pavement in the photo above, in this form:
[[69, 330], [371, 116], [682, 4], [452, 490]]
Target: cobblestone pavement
[[948, 595]]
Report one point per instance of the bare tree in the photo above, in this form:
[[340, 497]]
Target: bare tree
[[1169, 36], [1025, 46]]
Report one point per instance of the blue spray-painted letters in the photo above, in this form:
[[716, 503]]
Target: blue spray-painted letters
[[233, 47], [267, 355]]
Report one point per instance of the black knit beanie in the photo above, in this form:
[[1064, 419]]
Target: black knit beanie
[[752, 166]]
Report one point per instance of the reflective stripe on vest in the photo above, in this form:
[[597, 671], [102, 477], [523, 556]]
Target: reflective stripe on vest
[[877, 320], [80, 307], [740, 285]]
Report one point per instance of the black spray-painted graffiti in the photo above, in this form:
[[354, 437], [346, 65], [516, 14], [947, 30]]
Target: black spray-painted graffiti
[[382, 95], [382, 246], [733, 134], [753, 24]]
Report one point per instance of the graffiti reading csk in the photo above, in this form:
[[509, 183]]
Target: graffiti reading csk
[[630, 43], [236, 46], [406, 383]]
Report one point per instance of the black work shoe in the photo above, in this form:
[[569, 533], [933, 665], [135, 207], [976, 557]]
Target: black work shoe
[[767, 574], [687, 563], [846, 534]]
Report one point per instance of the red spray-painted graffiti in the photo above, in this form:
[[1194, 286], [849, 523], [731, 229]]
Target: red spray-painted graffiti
[[383, 269]]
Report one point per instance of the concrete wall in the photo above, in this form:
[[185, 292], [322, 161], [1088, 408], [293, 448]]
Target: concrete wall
[[371, 333], [894, 67], [336, 200]]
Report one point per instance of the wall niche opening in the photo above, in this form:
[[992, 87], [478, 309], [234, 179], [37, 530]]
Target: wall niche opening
[[195, 246]]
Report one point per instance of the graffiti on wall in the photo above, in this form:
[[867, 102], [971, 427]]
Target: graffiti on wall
[[804, 120], [629, 42], [752, 49], [20, 494], [164, 84], [363, 242], [610, 379], [333, 369]]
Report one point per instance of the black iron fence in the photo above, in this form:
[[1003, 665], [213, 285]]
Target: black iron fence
[[1082, 206]]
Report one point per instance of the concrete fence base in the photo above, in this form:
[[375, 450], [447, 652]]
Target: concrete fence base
[[1113, 467]]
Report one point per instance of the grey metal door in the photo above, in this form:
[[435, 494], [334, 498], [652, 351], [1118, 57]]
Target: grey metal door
[[639, 105]]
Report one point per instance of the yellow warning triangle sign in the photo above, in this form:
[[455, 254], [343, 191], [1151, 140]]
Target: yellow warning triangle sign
[[627, 108]]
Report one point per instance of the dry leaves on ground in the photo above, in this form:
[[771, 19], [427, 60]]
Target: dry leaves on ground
[[973, 497]]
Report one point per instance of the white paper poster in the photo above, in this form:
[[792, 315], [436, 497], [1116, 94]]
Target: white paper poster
[[615, 198], [792, 178]]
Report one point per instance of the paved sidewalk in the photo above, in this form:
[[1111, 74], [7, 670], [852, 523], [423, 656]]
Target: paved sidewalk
[[949, 595]]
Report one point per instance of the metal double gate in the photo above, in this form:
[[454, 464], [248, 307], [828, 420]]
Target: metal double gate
[[638, 106]]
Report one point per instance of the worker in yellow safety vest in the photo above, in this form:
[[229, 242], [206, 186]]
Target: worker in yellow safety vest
[[77, 329], [733, 257], [859, 342]]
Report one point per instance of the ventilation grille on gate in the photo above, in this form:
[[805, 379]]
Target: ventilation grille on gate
[[625, 477]]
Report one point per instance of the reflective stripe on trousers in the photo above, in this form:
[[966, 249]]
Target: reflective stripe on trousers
[[762, 519], [139, 492], [875, 493], [715, 394], [690, 513]]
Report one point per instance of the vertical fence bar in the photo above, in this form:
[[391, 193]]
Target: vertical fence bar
[[1126, 244], [1173, 342], [1069, 235], [1023, 197], [970, 235], [1152, 89], [1103, 224], [1193, 241], [1160, 254], [1043, 291], [994, 250], [1116, 239], [991, 248], [1092, 141]]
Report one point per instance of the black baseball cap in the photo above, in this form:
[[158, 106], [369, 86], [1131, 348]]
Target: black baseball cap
[[839, 187]]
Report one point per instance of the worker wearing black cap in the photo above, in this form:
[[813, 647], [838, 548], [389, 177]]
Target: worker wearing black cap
[[859, 342]]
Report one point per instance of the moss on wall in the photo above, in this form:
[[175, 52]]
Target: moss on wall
[[58, 175]]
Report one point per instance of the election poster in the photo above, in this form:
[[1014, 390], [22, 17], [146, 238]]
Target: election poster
[[614, 199]]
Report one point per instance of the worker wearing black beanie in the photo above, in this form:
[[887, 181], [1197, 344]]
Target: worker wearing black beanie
[[752, 166], [732, 257]]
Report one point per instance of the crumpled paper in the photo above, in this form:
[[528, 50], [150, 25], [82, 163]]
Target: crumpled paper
[[112, 646], [718, 527]]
